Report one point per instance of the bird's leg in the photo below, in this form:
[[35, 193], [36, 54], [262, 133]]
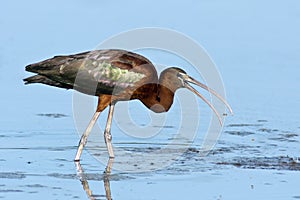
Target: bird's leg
[[107, 134], [85, 135]]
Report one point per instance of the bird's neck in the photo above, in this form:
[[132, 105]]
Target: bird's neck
[[161, 98]]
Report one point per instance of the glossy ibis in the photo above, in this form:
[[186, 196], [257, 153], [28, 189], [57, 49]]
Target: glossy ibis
[[115, 75]]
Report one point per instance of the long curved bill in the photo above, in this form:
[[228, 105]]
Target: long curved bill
[[187, 79]]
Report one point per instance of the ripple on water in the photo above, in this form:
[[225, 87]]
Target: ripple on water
[[262, 120], [12, 175], [285, 137], [240, 133], [35, 186], [91, 176], [268, 130], [243, 125], [52, 115], [10, 190]]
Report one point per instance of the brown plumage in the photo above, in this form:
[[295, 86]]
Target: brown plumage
[[115, 75]]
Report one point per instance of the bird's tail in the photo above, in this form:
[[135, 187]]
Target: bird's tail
[[45, 80]]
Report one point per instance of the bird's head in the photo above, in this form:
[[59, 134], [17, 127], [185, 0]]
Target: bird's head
[[175, 78]]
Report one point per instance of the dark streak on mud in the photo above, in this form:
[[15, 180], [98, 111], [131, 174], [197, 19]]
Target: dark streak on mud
[[277, 163]]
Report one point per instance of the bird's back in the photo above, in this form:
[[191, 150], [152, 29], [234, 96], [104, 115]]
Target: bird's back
[[95, 72]]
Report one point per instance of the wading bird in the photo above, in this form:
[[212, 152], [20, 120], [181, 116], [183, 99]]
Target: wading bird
[[115, 75]]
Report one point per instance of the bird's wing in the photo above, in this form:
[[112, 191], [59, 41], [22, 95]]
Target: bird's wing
[[100, 71]]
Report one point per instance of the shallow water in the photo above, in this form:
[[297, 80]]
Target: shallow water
[[256, 48], [39, 164]]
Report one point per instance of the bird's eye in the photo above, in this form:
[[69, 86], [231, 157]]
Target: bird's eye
[[180, 77]]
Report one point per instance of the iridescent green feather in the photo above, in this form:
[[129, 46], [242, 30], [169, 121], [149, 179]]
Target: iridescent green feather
[[106, 72]]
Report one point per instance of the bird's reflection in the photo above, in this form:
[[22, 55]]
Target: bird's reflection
[[84, 180]]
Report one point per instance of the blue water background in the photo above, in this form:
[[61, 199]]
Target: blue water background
[[255, 45]]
